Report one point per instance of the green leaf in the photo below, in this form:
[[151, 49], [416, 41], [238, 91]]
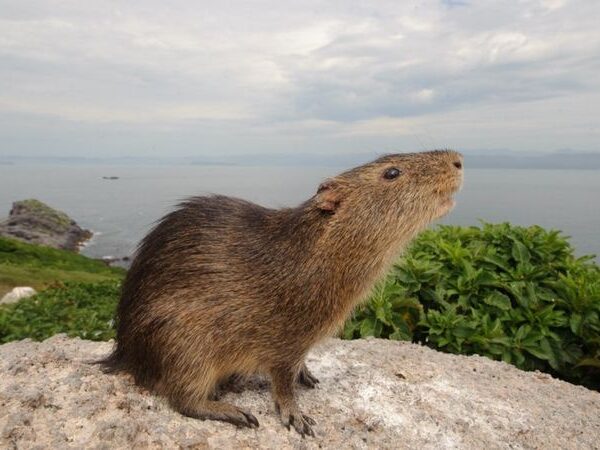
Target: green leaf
[[498, 262], [349, 328], [462, 331], [589, 362], [547, 349], [400, 335], [382, 315], [575, 322], [499, 300], [520, 252], [522, 332], [536, 351], [368, 327]]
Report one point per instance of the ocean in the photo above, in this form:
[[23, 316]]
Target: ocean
[[121, 211]]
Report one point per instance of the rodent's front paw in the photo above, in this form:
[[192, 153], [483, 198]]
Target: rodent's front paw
[[301, 422]]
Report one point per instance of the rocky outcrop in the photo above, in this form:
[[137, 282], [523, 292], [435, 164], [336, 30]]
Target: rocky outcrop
[[35, 222], [373, 394]]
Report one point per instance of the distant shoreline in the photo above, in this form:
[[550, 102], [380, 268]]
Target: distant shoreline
[[217, 165], [477, 160]]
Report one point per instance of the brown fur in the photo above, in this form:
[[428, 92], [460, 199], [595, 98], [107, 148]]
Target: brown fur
[[224, 287]]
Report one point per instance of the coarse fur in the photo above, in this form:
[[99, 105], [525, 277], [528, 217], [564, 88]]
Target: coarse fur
[[223, 287]]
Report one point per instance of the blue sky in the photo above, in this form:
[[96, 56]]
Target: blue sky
[[195, 78]]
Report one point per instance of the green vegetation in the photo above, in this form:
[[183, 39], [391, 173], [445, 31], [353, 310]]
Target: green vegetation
[[78, 309], [23, 264], [510, 293], [78, 294]]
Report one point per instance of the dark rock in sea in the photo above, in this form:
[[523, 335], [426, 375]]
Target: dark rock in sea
[[108, 260], [114, 261], [35, 222]]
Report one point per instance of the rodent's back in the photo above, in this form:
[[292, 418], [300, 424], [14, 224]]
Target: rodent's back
[[201, 236], [188, 267]]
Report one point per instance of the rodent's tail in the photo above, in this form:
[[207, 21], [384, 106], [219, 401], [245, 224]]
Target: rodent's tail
[[119, 361], [112, 363]]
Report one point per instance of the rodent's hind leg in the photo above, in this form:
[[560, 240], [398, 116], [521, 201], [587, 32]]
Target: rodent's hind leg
[[235, 383], [285, 402], [306, 378], [213, 410]]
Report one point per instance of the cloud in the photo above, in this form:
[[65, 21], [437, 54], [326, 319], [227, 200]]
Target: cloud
[[321, 73]]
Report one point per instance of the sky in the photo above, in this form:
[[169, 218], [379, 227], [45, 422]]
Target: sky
[[195, 78]]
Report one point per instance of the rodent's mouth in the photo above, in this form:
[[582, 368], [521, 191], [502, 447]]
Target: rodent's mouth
[[445, 206], [446, 198], [449, 203], [446, 203]]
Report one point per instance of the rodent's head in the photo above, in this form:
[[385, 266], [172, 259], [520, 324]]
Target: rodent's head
[[406, 191]]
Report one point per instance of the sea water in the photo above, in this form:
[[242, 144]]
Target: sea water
[[120, 211]]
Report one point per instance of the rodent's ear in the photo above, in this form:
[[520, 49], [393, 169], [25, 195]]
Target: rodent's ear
[[328, 196]]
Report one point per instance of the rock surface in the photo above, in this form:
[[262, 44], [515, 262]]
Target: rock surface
[[35, 222], [18, 293], [373, 394]]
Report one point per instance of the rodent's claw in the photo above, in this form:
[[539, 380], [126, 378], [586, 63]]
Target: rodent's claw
[[304, 427], [301, 423], [243, 419], [213, 410], [310, 420], [251, 419]]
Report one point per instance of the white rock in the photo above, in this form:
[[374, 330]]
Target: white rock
[[373, 394], [17, 294]]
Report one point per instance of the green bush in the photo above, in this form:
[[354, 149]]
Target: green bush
[[78, 309], [507, 292]]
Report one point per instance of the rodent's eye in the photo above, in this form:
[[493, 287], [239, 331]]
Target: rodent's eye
[[391, 173]]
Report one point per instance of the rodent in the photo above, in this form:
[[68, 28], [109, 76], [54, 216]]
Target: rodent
[[223, 287]]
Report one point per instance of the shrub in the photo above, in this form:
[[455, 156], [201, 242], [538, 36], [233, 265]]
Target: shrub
[[78, 309], [507, 292]]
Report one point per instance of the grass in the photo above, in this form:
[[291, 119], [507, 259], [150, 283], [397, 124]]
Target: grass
[[40, 267]]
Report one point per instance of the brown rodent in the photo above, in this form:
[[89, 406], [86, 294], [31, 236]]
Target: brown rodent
[[223, 287]]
